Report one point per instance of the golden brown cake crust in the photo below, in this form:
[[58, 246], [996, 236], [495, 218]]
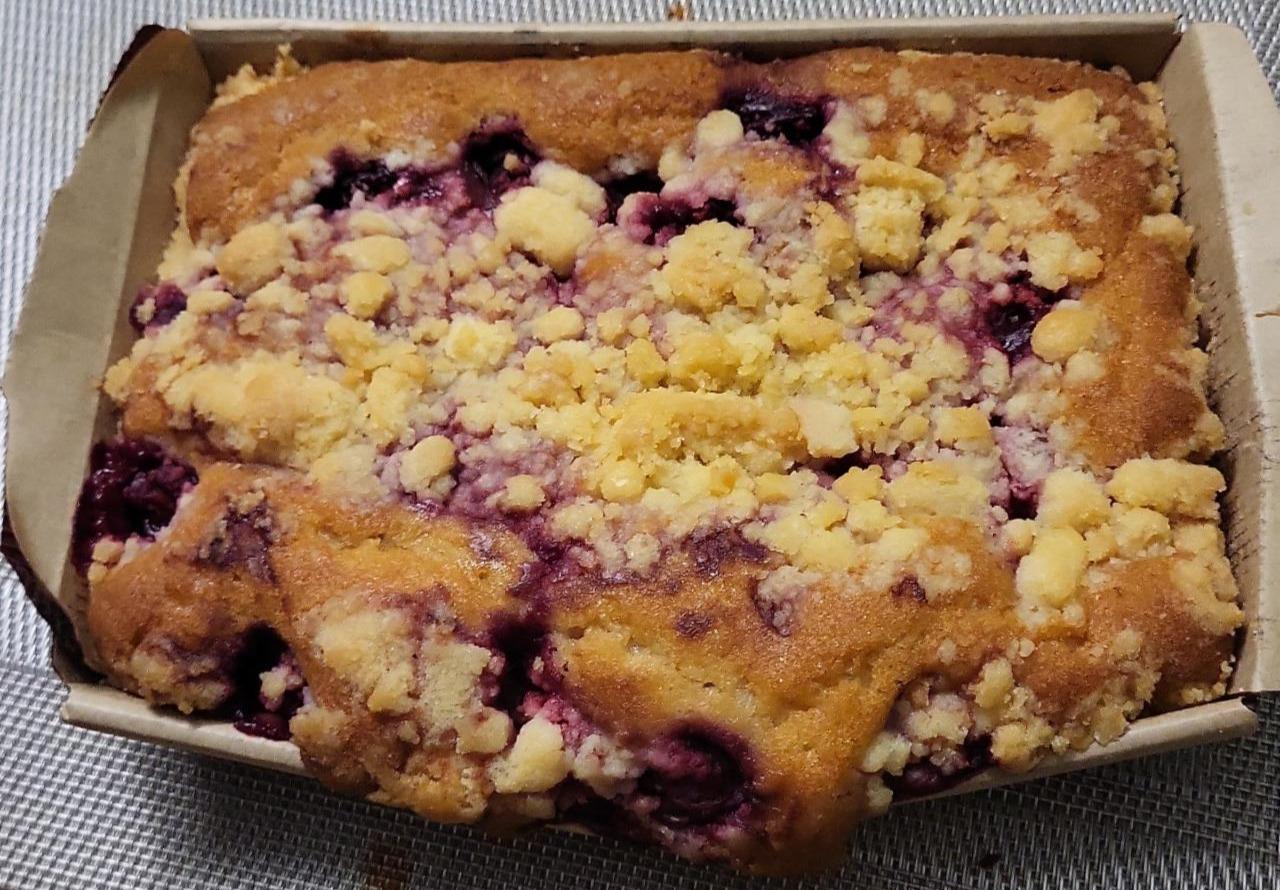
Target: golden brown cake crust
[[852, 453], [588, 112], [583, 112], [807, 704]]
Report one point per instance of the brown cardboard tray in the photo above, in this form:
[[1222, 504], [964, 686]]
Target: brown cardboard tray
[[109, 223]]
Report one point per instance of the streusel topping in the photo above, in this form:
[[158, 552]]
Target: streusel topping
[[856, 336], [807, 365]]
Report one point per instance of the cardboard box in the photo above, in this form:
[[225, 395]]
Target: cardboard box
[[109, 223]]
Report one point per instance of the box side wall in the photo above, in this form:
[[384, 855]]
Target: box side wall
[[105, 232], [1138, 43], [1218, 721], [102, 708], [1226, 128], [109, 710]]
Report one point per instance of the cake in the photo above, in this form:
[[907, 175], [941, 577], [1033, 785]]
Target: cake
[[695, 450]]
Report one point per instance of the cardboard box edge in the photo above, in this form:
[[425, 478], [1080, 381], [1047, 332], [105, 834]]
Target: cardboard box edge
[[105, 709], [30, 352], [1221, 720], [1154, 22], [1138, 40], [1245, 144]]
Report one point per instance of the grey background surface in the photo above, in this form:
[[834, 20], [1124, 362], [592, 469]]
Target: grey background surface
[[79, 809]]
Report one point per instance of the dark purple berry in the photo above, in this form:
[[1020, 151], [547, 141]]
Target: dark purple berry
[[694, 779], [264, 724], [1022, 506], [494, 160], [616, 190], [415, 185], [258, 650], [770, 116], [925, 777], [838, 466], [665, 218], [1010, 324], [909, 588], [711, 551], [244, 542], [132, 489], [577, 804], [167, 302], [519, 642], [352, 175], [693, 624]]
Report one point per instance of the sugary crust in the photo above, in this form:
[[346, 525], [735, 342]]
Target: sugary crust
[[583, 112], [176, 596], [591, 112], [382, 472], [807, 705]]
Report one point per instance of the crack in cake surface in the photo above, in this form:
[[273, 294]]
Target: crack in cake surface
[[605, 490]]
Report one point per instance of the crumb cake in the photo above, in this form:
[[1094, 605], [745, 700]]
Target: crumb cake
[[695, 450]]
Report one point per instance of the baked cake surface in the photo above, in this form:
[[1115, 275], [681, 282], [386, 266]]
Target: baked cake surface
[[695, 450]]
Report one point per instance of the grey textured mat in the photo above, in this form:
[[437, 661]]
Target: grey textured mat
[[84, 810]]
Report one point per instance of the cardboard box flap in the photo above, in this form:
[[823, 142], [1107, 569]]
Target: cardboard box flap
[[103, 237], [1138, 43], [110, 710], [1215, 91], [1216, 721]]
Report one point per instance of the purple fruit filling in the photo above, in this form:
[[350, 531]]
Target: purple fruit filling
[[616, 190], [261, 649], [551, 565], [373, 179], [1010, 324], [519, 642], [417, 184], [494, 160], [1027, 457], [798, 120], [836, 467], [909, 588], [243, 543], [132, 489], [167, 302], [265, 724], [692, 789], [577, 804], [692, 625], [711, 550], [1003, 315], [1021, 506], [693, 779], [925, 777], [352, 175], [661, 219]]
